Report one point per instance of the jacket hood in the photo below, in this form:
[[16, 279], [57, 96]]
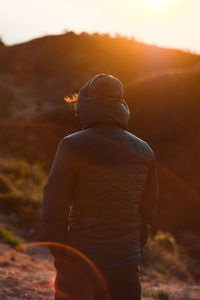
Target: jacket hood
[[101, 100]]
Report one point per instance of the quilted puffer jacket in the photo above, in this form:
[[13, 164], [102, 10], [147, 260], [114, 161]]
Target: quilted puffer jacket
[[102, 187]]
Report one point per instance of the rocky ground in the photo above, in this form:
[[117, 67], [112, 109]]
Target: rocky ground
[[30, 276], [170, 290]]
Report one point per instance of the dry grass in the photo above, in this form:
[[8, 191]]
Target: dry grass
[[21, 186], [8, 238], [165, 259]]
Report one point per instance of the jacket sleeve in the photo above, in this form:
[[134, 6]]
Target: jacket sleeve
[[149, 201], [57, 196]]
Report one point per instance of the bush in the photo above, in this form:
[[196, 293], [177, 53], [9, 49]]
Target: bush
[[164, 296], [161, 295], [5, 185], [1, 43], [166, 240], [165, 258], [21, 187], [9, 238]]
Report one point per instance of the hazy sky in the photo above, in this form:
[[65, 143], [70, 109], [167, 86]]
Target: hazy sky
[[171, 23]]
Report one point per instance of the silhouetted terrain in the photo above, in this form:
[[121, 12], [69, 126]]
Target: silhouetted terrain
[[162, 89], [35, 76]]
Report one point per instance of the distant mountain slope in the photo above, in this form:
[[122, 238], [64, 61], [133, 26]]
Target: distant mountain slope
[[162, 88], [165, 110], [36, 75]]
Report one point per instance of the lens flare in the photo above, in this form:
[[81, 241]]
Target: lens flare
[[77, 276]]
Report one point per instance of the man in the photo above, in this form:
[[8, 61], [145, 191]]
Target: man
[[107, 177]]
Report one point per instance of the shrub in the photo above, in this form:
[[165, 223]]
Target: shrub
[[2, 43], [165, 258], [5, 186], [166, 240], [164, 296], [9, 238], [21, 186]]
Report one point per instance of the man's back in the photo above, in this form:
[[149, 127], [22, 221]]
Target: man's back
[[110, 175]]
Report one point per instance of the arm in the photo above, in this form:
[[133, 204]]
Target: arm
[[57, 196], [149, 202]]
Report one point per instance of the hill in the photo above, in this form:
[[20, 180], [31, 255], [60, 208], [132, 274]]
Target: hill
[[35, 76], [162, 90]]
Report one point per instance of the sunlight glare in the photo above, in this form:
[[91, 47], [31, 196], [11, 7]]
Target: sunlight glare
[[155, 3]]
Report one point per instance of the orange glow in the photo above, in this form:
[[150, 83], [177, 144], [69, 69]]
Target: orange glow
[[151, 6], [155, 2], [168, 23], [84, 280]]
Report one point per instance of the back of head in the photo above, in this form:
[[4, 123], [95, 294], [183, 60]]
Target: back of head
[[101, 100]]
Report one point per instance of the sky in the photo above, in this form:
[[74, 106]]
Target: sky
[[168, 23]]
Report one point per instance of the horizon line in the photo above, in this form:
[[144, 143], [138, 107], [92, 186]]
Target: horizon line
[[111, 35]]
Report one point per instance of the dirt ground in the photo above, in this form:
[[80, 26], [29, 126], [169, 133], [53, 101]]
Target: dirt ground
[[30, 276]]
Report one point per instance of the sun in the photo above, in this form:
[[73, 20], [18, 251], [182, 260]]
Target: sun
[[155, 3]]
